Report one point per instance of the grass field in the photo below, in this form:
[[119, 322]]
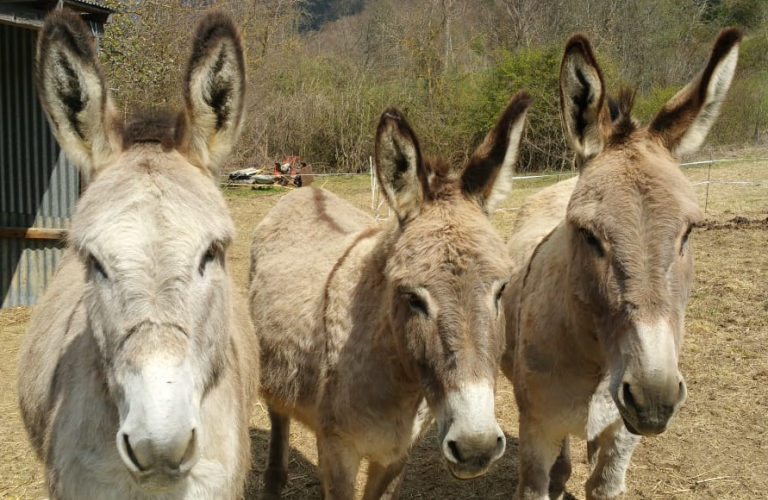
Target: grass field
[[717, 448]]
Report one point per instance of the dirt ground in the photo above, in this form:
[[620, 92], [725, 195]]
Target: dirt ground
[[716, 448]]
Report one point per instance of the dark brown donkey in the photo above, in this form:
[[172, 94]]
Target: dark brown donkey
[[382, 328], [603, 267]]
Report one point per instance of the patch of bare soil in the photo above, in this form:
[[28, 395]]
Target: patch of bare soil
[[738, 223], [20, 473]]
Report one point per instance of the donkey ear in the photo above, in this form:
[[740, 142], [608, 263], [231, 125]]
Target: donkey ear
[[214, 93], [73, 92], [399, 166], [582, 94], [488, 175], [684, 121]]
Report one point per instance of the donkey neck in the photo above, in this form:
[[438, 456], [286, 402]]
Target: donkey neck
[[572, 322], [359, 333], [583, 321]]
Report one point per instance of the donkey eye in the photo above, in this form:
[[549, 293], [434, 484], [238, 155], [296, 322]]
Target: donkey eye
[[416, 303], [97, 267], [591, 240], [684, 242], [210, 255], [500, 293]]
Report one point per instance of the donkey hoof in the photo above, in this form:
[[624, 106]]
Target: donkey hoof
[[270, 493], [274, 482]]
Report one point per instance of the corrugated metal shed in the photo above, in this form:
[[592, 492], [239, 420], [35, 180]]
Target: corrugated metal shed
[[39, 186]]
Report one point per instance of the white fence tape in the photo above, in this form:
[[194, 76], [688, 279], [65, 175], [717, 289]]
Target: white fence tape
[[737, 183], [378, 203], [540, 176], [692, 163], [704, 162]]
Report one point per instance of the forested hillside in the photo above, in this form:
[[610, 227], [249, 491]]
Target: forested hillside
[[321, 71]]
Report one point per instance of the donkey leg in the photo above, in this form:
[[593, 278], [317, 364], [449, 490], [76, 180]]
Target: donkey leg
[[339, 464], [538, 452], [384, 481], [276, 475], [614, 450], [561, 471], [593, 446]]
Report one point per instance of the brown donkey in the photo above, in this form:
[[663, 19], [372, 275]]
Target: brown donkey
[[603, 267], [381, 329], [136, 378]]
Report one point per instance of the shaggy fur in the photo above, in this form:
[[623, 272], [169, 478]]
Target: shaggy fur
[[137, 332], [602, 272], [381, 329]]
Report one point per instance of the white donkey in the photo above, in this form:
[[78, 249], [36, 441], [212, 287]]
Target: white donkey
[[136, 378]]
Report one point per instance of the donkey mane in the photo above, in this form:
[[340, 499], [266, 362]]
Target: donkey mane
[[441, 182], [160, 127], [623, 125], [438, 166]]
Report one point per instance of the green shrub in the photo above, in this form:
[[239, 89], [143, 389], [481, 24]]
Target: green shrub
[[536, 71], [650, 103], [744, 116]]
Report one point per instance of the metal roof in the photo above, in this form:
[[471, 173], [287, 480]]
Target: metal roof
[[85, 5], [30, 13], [100, 5]]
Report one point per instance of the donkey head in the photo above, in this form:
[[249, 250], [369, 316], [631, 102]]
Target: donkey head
[[151, 232], [446, 272], [630, 218]]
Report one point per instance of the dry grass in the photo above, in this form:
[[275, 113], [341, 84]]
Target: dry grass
[[21, 476], [716, 448]]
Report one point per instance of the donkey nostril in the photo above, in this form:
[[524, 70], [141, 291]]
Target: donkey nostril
[[629, 400], [681, 393], [454, 447], [501, 445], [131, 454], [189, 453]]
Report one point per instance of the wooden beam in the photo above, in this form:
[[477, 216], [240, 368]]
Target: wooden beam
[[33, 233]]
